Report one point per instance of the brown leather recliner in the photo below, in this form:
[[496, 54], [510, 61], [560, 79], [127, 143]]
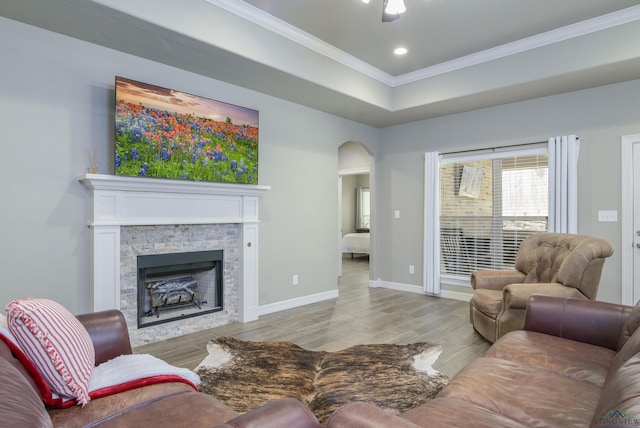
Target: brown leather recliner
[[556, 264]]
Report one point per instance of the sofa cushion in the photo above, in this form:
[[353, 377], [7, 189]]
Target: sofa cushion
[[22, 362], [113, 405], [528, 395], [451, 412], [166, 411], [20, 403], [620, 394], [630, 348], [57, 344], [577, 360], [364, 415]]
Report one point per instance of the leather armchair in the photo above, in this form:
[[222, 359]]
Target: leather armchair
[[556, 264]]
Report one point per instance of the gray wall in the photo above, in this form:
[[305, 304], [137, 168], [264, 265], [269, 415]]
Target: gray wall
[[349, 185], [56, 105], [600, 116]]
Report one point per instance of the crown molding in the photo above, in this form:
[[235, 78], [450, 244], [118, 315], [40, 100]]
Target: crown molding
[[259, 17], [288, 31], [578, 29]]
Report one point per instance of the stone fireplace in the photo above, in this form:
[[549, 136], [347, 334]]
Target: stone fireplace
[[176, 286], [135, 217], [139, 242]]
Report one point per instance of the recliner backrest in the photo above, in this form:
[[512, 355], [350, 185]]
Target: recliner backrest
[[572, 260]]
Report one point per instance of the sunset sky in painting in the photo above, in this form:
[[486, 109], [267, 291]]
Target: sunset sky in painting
[[176, 101]]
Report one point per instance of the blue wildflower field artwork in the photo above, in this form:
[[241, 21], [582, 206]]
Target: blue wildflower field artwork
[[164, 133]]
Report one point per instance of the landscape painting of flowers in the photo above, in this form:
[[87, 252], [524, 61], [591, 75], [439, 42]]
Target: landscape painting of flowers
[[164, 133]]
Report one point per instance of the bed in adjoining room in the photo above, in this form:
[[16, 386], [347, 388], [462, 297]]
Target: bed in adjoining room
[[355, 243]]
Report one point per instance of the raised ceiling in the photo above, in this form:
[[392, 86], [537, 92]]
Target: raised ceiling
[[336, 55], [434, 31]]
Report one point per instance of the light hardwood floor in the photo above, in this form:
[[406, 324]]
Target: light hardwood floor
[[360, 315]]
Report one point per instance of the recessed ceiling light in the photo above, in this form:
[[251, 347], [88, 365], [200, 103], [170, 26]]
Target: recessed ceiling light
[[400, 51], [365, 1]]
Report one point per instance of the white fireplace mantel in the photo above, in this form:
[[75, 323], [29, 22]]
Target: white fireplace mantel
[[124, 201]]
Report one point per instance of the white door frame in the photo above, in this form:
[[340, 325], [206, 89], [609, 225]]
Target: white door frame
[[339, 225], [629, 295]]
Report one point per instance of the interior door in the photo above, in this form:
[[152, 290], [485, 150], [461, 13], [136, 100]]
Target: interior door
[[630, 237], [636, 222]]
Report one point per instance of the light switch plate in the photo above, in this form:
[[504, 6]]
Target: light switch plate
[[607, 215]]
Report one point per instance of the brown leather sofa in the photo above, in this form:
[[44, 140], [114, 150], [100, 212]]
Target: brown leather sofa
[[575, 364], [171, 404], [555, 264]]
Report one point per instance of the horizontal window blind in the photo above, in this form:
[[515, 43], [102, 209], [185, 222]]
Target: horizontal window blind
[[488, 204]]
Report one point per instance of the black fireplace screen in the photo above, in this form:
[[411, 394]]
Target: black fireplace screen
[[179, 285]]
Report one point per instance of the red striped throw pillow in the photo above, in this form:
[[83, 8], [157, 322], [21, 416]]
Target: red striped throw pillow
[[57, 344]]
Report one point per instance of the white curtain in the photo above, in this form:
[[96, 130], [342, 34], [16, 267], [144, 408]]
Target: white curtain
[[563, 183], [431, 251]]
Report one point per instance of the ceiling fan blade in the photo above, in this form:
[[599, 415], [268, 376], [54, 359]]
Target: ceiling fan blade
[[388, 17]]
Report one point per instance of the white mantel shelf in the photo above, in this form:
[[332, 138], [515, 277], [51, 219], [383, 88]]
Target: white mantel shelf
[[141, 184], [135, 201]]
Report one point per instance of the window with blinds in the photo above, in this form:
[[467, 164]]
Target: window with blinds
[[490, 202]]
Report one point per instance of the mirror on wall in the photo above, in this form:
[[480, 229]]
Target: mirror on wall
[[363, 211]]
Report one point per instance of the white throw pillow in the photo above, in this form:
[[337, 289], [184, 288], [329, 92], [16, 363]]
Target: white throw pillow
[[57, 344]]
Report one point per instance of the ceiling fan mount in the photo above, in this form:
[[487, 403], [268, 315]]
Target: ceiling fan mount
[[392, 9]]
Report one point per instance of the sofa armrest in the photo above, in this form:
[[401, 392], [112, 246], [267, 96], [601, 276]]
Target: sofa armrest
[[109, 334], [362, 415], [495, 279], [285, 412], [588, 321], [516, 296]]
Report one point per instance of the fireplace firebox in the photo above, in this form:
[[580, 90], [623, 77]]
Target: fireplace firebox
[[179, 285]]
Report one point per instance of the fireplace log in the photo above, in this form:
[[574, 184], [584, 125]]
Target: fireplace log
[[174, 291]]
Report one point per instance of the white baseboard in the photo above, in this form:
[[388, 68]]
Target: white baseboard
[[396, 286], [456, 295], [447, 294], [297, 302], [333, 294]]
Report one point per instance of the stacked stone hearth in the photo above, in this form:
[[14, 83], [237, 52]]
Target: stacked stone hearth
[[144, 240]]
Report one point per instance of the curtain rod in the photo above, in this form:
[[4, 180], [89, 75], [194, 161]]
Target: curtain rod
[[493, 149]]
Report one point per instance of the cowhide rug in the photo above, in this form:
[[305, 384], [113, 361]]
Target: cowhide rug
[[246, 375]]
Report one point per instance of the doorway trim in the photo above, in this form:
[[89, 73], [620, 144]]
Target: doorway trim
[[627, 241]]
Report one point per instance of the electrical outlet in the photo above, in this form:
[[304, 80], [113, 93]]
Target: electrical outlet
[[412, 269], [294, 281]]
